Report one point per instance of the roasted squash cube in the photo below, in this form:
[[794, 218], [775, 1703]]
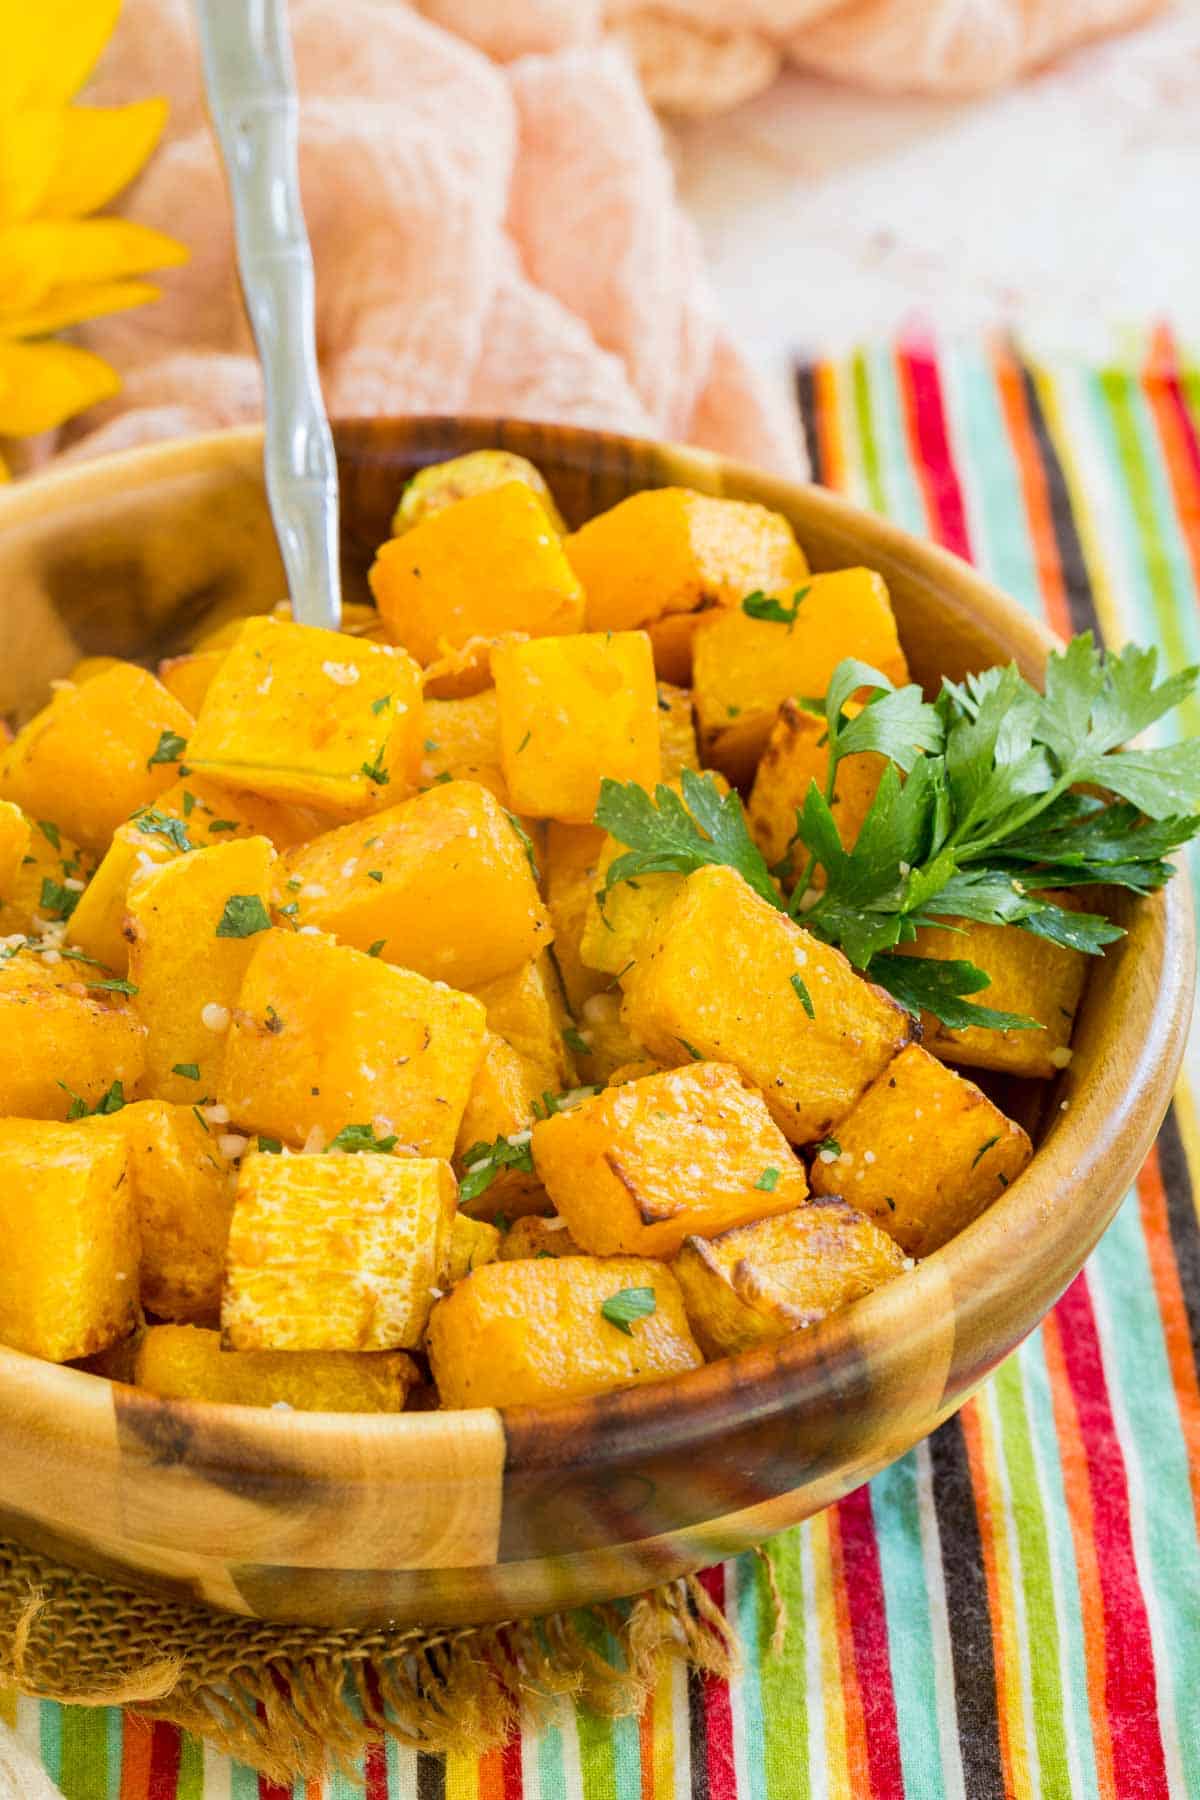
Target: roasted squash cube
[[485, 566], [526, 1009], [671, 551], [98, 922], [48, 883], [676, 731], [472, 1242], [183, 1192], [190, 677], [325, 1037], [335, 1252], [620, 921], [730, 979], [441, 884], [183, 1362], [97, 753], [923, 1152], [65, 1038], [193, 925], [500, 1105], [797, 754], [761, 1282], [570, 866], [214, 813], [522, 1333], [573, 710], [608, 1042], [439, 485], [68, 1275], [14, 846], [534, 1235], [1027, 975], [640, 1167], [316, 717], [462, 740], [745, 667]]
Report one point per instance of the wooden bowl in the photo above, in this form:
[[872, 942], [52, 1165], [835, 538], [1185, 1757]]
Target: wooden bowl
[[483, 1515]]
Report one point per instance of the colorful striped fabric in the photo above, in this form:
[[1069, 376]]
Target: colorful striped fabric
[[1014, 1608]]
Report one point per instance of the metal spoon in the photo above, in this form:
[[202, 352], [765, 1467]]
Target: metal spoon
[[251, 82]]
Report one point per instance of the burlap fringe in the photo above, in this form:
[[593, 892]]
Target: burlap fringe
[[289, 1700]]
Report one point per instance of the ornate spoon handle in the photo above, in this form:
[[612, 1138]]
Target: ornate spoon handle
[[251, 85]]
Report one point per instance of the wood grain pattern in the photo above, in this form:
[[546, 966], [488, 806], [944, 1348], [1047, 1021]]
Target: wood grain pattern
[[426, 1517]]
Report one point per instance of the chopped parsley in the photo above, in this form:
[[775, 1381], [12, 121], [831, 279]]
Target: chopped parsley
[[484, 1162], [113, 985], [356, 1138], [760, 606], [803, 995], [377, 947], [111, 1102], [627, 1305], [169, 749], [189, 1071], [56, 901], [243, 917], [384, 700], [375, 771], [523, 742], [158, 824], [983, 1149], [696, 1055], [526, 844], [50, 832], [270, 1146], [828, 1146], [374, 874], [768, 1181], [574, 1041]]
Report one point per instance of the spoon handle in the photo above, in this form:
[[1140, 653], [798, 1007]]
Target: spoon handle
[[251, 83]]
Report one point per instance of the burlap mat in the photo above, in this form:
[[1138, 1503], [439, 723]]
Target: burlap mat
[[290, 1699]]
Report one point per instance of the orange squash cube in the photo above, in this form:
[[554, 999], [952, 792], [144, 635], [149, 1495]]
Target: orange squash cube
[[441, 884], [573, 710], [65, 1037], [676, 731], [609, 1043], [472, 1243], [523, 1333], [14, 846], [488, 565], [923, 1152], [335, 1252], [48, 883], [190, 677], [728, 978], [325, 1037], [526, 1009], [534, 1235], [759, 1283], [746, 667], [311, 716], [96, 753], [570, 866], [184, 1362], [797, 754], [98, 922], [182, 1185], [214, 813], [500, 1105], [439, 485], [194, 923], [640, 1167], [667, 552], [68, 1275], [462, 740]]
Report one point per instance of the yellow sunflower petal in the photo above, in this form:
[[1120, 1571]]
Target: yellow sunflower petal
[[43, 384], [50, 48], [31, 146], [47, 253], [71, 305], [102, 149]]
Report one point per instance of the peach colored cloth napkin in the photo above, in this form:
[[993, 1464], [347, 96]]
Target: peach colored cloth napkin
[[699, 56], [488, 239]]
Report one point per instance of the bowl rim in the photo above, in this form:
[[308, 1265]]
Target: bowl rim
[[687, 1411]]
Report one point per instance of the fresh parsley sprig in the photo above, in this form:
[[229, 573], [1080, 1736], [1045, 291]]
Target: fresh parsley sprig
[[986, 801]]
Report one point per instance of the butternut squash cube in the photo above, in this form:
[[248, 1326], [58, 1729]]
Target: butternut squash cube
[[719, 982], [462, 740], [214, 813], [500, 1105], [573, 710], [335, 1252], [923, 1153], [640, 1167], [670, 551], [439, 485], [88, 667], [534, 1235], [485, 566], [98, 922], [184, 1362], [315, 717], [523, 1333], [526, 1009], [797, 754], [759, 1283], [608, 1042], [746, 667], [472, 1242], [68, 1275], [64, 1038], [618, 923], [324, 1037], [194, 923], [441, 884], [1027, 975], [190, 677], [14, 846], [569, 873], [97, 753], [182, 1187], [39, 894], [676, 731]]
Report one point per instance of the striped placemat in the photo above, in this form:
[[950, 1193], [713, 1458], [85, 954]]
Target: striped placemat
[[1014, 1608]]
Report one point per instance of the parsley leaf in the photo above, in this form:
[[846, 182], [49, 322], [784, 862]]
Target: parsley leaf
[[244, 916], [926, 984], [356, 1138], [169, 749], [760, 606], [526, 845], [484, 1162], [189, 1071], [113, 985], [50, 832], [627, 1305], [111, 1102], [157, 824], [375, 771], [803, 995], [768, 1181], [270, 1146], [672, 834], [575, 1041], [55, 900]]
